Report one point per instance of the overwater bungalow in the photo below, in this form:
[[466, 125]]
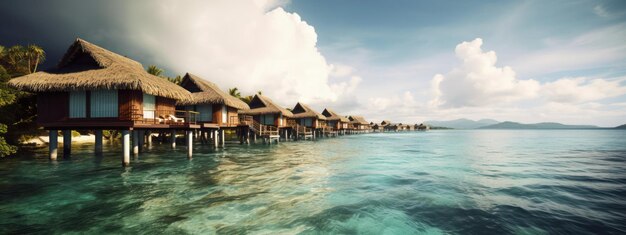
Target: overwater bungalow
[[93, 88], [359, 124], [265, 117], [338, 122], [217, 109], [309, 118]]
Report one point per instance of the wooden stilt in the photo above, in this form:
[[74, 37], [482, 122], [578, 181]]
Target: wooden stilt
[[173, 138], [215, 138], [222, 139], [53, 144], [98, 136], [135, 142], [125, 147], [189, 135], [67, 142]]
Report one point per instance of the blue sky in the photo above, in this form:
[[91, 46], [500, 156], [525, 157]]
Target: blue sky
[[406, 61]]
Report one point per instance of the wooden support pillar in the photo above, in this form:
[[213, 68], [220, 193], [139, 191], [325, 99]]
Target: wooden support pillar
[[189, 135], [53, 144], [141, 137], [98, 136], [215, 138], [149, 138], [222, 139], [126, 147], [173, 138], [135, 142], [67, 142]]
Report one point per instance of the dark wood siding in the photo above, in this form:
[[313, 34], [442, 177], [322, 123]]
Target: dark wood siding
[[52, 107], [130, 104], [165, 106]]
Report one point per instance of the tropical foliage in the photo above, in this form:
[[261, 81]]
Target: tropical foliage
[[156, 71], [18, 108], [247, 99]]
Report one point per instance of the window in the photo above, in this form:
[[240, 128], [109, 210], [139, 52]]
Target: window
[[224, 114], [104, 103], [78, 104], [206, 113], [149, 106], [267, 119]]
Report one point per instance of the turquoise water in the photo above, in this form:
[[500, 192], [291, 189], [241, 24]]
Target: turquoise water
[[437, 182]]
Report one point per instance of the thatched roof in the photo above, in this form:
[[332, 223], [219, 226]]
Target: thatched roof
[[260, 105], [385, 122], [332, 116], [358, 120], [205, 92], [304, 111], [86, 66]]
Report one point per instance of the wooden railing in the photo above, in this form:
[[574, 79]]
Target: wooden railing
[[163, 116]]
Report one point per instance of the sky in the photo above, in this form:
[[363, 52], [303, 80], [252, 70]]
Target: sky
[[404, 60]]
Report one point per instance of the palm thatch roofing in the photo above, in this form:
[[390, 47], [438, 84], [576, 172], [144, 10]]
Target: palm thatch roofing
[[205, 92], [385, 122], [332, 116], [358, 120], [304, 111], [86, 66], [261, 104]]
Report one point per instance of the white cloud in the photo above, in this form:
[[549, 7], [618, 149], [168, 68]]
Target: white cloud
[[600, 11], [253, 45], [599, 48], [578, 90], [478, 81]]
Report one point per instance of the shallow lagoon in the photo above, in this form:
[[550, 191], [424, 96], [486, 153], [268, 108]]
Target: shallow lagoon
[[456, 181]]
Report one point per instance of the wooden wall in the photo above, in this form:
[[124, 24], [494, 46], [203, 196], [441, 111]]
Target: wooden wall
[[52, 107], [165, 106], [130, 104]]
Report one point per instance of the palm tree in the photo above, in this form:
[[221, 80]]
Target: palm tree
[[36, 55], [176, 80], [246, 99], [154, 70], [234, 92]]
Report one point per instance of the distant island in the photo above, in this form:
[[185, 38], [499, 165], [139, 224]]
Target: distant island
[[464, 123], [542, 125]]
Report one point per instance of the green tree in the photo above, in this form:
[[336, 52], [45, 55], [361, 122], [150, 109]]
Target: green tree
[[154, 70], [35, 56], [5, 148], [247, 99], [234, 92], [176, 80], [18, 108]]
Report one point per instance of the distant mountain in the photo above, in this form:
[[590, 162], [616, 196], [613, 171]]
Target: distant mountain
[[542, 125], [463, 123], [621, 127]]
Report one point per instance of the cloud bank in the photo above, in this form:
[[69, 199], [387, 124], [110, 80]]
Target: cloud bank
[[252, 45], [478, 82]]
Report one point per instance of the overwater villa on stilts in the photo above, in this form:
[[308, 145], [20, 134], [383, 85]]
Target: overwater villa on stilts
[[338, 122], [358, 124], [307, 118], [217, 110], [266, 120], [95, 89]]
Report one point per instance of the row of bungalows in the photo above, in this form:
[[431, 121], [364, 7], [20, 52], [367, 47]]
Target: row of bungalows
[[92, 88]]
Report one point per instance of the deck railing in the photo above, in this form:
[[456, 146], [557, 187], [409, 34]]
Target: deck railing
[[163, 116]]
